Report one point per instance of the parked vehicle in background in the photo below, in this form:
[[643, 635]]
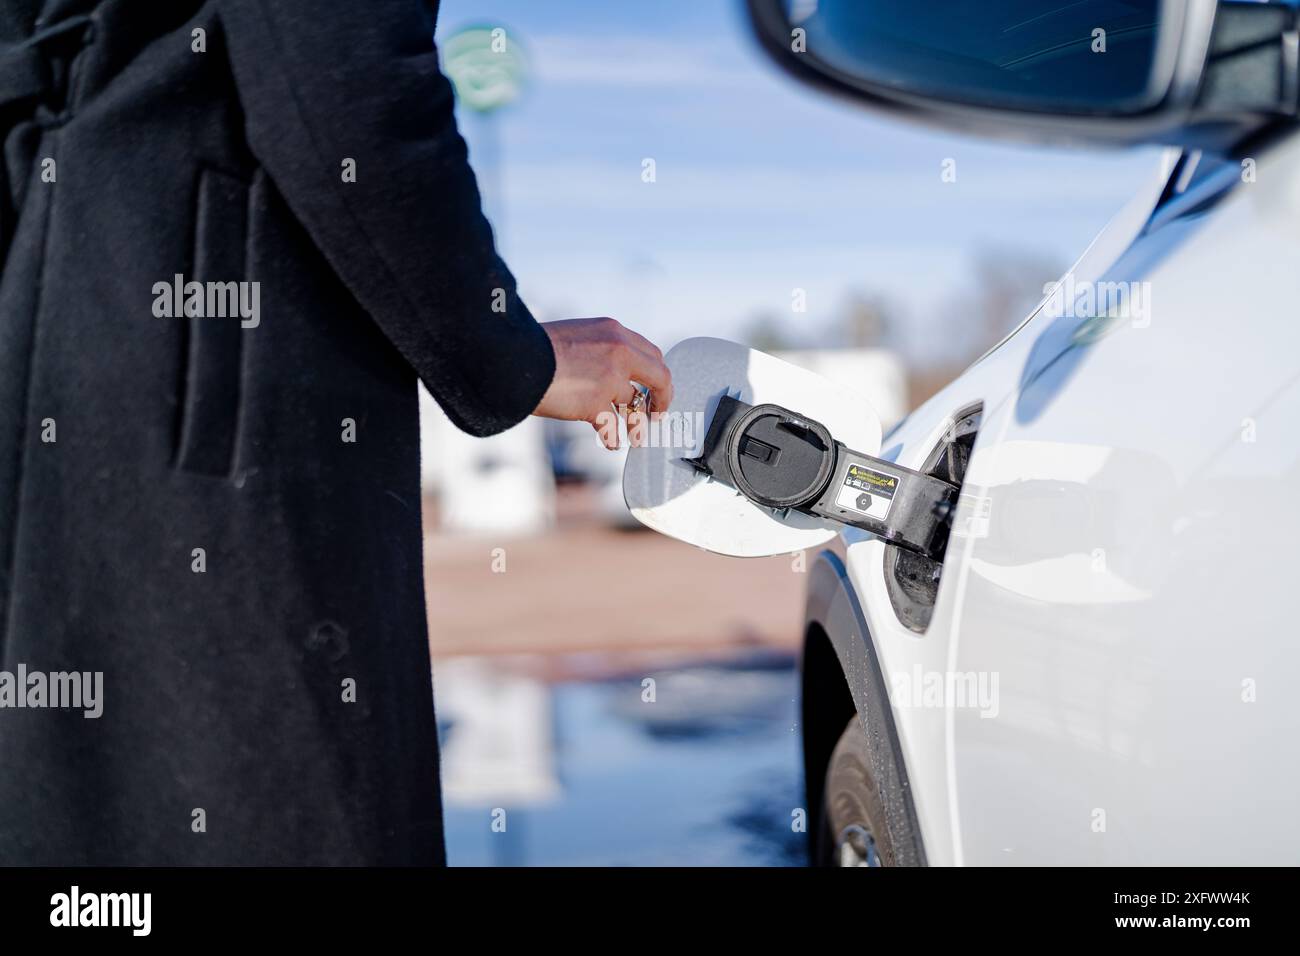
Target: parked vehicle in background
[[496, 485]]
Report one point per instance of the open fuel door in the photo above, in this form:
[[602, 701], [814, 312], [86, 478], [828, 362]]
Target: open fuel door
[[758, 457]]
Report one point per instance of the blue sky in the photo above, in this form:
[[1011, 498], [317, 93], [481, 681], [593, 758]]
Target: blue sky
[[762, 186]]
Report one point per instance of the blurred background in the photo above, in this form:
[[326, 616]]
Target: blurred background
[[606, 695]]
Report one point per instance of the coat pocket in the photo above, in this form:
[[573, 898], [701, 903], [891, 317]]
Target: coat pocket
[[214, 343]]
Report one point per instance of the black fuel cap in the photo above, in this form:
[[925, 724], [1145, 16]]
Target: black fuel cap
[[779, 458]]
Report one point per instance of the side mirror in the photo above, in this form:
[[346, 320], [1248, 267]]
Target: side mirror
[[1196, 73]]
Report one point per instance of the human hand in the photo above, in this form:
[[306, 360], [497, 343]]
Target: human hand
[[596, 363]]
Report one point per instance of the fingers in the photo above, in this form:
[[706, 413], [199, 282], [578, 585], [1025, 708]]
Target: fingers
[[643, 344], [597, 361], [638, 416], [649, 369], [637, 360], [606, 425], [623, 396], [607, 421], [644, 362], [604, 414]]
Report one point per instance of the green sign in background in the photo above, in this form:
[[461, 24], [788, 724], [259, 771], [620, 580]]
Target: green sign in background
[[485, 65]]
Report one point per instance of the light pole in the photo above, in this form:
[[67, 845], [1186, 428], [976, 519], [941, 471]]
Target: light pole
[[487, 68]]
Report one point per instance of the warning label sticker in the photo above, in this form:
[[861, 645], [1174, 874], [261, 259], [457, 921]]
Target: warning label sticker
[[867, 492]]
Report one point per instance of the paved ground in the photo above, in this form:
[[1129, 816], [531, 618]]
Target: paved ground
[[587, 587], [544, 647], [706, 775]]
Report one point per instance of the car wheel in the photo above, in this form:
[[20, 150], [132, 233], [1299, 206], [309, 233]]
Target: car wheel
[[853, 831]]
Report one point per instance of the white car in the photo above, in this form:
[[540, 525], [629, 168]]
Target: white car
[[1101, 669]]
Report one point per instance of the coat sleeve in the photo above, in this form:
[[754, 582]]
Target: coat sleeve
[[324, 81]]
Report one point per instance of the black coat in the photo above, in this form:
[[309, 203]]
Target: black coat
[[224, 689]]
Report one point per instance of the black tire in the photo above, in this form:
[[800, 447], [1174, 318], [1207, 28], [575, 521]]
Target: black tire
[[853, 831]]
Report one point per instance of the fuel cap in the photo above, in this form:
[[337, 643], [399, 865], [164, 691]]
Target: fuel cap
[[778, 458]]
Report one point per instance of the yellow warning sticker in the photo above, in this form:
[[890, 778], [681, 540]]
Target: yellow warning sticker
[[867, 492]]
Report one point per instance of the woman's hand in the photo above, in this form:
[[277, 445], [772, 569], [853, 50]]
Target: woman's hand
[[596, 362]]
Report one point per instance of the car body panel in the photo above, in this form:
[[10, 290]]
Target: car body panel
[[1120, 560]]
